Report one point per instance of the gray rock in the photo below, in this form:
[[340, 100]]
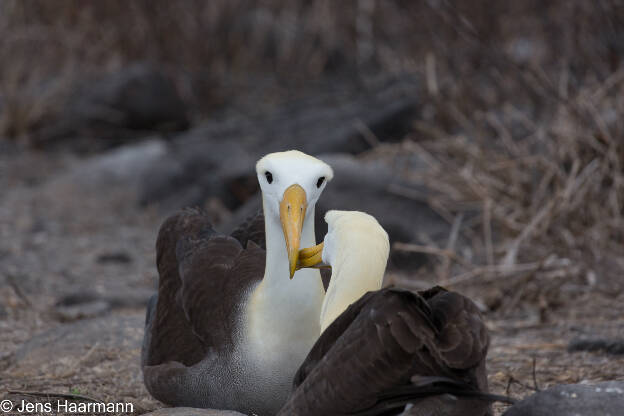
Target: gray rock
[[114, 257], [371, 187], [352, 123], [191, 411], [217, 159], [116, 296], [604, 399], [136, 97], [198, 166], [81, 311], [445, 405], [609, 346], [122, 168], [116, 107]]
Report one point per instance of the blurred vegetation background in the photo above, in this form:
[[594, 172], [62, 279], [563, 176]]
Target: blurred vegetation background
[[525, 96], [480, 54], [520, 103]]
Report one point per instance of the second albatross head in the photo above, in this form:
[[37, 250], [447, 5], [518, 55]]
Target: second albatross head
[[291, 183], [356, 247]]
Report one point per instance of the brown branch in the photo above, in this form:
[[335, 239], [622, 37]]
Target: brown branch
[[449, 254]]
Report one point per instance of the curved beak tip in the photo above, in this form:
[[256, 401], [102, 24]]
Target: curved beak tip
[[311, 257]]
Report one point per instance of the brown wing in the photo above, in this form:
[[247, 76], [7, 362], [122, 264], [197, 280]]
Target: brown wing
[[201, 277], [463, 339], [386, 340], [252, 229], [329, 337]]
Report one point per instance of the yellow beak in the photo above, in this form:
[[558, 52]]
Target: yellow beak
[[292, 212], [311, 257]]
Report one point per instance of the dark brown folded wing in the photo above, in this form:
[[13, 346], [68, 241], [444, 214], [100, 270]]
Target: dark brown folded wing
[[202, 276], [252, 229], [384, 341]]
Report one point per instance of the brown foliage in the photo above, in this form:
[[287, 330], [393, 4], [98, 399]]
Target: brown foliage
[[204, 44]]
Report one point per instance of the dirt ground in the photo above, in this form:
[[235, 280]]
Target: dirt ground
[[60, 236]]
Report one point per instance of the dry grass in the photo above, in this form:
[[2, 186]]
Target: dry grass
[[533, 199], [524, 152], [200, 44], [535, 203], [206, 46]]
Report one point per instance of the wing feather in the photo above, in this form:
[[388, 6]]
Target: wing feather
[[364, 362], [202, 275], [252, 229]]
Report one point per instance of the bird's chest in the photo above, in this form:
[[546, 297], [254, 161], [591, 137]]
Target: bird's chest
[[278, 332]]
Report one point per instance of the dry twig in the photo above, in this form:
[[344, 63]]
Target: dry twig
[[55, 394]]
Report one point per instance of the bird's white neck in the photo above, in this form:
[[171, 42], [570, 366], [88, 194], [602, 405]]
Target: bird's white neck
[[306, 284], [283, 314], [276, 274]]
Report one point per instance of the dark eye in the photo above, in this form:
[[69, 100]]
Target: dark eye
[[269, 177], [320, 181]]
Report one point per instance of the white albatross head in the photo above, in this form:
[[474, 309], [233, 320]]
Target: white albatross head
[[357, 248], [291, 183]]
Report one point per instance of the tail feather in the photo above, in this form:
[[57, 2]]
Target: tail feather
[[425, 387]]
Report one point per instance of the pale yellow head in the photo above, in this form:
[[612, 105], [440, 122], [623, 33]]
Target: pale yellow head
[[356, 247]]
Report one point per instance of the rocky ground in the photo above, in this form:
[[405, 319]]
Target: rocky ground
[[77, 266]]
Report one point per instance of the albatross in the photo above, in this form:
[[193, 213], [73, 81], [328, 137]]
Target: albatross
[[381, 349], [232, 322]]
